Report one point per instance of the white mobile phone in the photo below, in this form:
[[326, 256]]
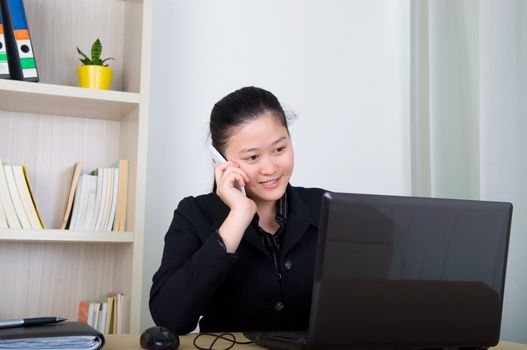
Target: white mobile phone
[[219, 158], [216, 155]]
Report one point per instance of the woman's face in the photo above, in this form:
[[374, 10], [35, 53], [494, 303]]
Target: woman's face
[[262, 147]]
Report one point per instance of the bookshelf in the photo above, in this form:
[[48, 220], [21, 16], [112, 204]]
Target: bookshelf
[[50, 125]]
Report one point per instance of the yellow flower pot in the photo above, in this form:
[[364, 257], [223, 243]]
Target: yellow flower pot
[[95, 77]]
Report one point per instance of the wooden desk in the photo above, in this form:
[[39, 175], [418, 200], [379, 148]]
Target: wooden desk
[[131, 342]]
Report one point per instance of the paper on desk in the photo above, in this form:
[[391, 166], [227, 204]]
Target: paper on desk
[[53, 343]]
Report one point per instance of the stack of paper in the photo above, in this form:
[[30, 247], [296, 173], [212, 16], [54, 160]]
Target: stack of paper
[[64, 335]]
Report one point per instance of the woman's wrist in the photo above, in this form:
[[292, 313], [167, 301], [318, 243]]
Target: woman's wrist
[[234, 226]]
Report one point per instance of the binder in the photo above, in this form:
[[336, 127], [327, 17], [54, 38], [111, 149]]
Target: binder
[[4, 66], [20, 55], [64, 335]]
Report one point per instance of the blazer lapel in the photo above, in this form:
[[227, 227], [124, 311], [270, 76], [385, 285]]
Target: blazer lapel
[[298, 220]]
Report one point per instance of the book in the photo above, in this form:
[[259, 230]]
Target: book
[[94, 311], [108, 316], [73, 186], [76, 203], [15, 196], [113, 207], [103, 173], [90, 181], [90, 206], [7, 202], [31, 193], [98, 198], [102, 317], [3, 219], [122, 195], [108, 199], [26, 197], [63, 335], [83, 313], [117, 317]]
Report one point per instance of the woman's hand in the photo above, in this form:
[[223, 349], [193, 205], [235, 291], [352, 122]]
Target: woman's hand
[[230, 178]]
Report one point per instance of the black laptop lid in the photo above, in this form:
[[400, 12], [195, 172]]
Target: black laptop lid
[[396, 271]]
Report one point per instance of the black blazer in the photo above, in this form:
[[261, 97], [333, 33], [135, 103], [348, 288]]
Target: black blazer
[[235, 292]]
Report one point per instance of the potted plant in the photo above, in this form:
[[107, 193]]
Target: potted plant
[[95, 73]]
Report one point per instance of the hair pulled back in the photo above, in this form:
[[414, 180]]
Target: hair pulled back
[[239, 107]]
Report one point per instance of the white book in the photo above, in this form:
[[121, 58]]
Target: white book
[[102, 317], [7, 202], [100, 214], [83, 207], [15, 196], [3, 219], [98, 199], [96, 312], [77, 203], [91, 312], [113, 207], [92, 192], [108, 199], [25, 197], [120, 300]]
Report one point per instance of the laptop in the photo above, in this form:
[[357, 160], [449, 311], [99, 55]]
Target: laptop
[[396, 272]]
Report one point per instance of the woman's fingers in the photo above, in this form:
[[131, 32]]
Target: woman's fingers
[[230, 179], [230, 173]]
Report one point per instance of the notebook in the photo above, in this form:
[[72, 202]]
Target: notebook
[[64, 335], [404, 272]]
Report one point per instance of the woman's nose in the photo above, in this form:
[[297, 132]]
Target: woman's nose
[[267, 166]]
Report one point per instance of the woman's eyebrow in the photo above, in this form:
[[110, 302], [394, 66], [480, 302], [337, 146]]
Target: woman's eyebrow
[[246, 150]]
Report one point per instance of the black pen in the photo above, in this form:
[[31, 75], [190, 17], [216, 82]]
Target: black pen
[[34, 321]]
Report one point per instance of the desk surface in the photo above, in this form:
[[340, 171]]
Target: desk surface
[[131, 342]]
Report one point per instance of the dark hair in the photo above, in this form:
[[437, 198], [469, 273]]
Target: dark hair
[[239, 107]]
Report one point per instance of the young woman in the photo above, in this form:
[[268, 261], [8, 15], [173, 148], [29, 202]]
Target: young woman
[[242, 262]]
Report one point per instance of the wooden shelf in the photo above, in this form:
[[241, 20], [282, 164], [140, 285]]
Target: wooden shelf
[[50, 125], [65, 236], [41, 98]]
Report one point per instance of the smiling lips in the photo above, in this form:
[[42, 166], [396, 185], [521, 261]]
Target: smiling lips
[[270, 183]]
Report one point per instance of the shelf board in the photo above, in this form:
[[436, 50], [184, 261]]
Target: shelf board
[[41, 98], [64, 236]]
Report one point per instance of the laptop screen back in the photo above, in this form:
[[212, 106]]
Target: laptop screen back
[[408, 271]]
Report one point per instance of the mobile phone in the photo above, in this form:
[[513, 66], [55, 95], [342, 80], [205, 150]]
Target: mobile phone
[[220, 159]]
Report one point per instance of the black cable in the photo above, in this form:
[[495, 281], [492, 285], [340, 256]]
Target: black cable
[[225, 336]]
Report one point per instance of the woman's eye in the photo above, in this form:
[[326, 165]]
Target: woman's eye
[[280, 149], [253, 157]]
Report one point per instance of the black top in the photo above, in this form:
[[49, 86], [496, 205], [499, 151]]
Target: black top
[[235, 292], [272, 242]]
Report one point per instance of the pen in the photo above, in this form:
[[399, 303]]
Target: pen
[[34, 321]]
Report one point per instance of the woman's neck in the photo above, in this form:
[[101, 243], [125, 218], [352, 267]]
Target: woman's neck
[[267, 213]]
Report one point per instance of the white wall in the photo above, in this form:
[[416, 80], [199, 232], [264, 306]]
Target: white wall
[[341, 66]]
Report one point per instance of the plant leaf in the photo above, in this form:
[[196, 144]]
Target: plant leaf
[[96, 50], [106, 59], [85, 58]]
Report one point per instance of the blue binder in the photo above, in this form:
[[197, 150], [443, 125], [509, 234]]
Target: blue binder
[[20, 55], [4, 66]]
